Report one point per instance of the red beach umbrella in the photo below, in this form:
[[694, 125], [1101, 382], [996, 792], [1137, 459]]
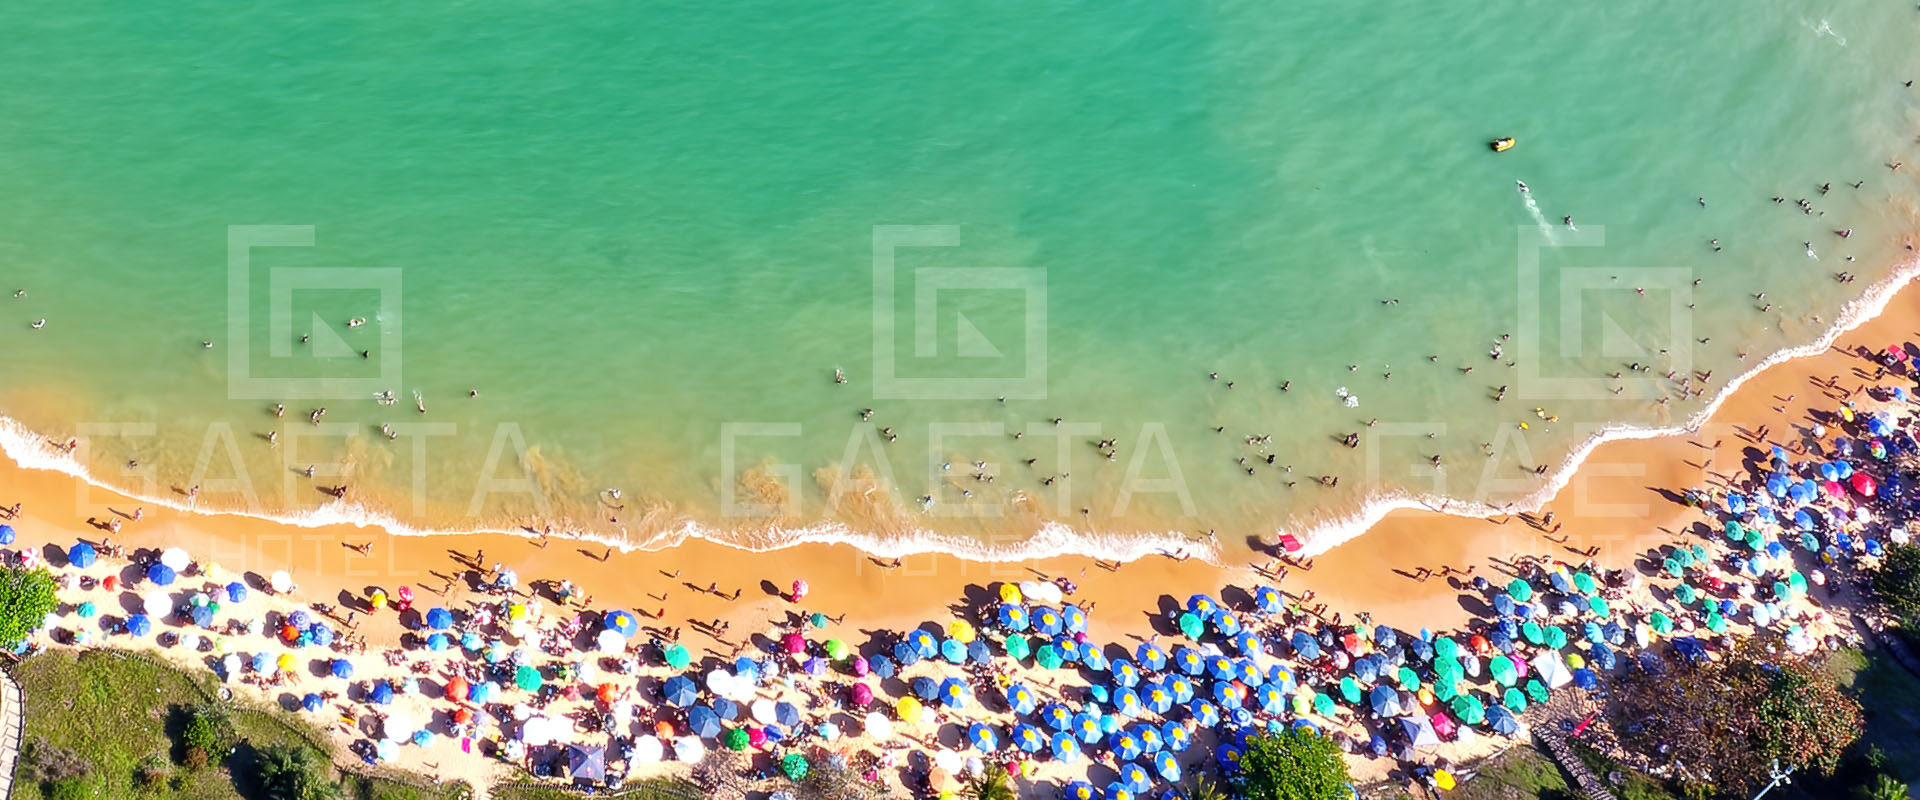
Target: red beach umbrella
[[457, 689], [1833, 490], [111, 583], [1863, 484], [607, 693], [1289, 542]]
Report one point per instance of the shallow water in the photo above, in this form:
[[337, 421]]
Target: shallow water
[[647, 237]]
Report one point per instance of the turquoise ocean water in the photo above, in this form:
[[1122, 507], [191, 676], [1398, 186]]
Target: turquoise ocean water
[[645, 233]]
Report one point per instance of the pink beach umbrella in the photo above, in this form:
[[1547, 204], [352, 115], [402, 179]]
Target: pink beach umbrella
[[799, 590], [756, 736], [1833, 489], [795, 644], [862, 694], [860, 667]]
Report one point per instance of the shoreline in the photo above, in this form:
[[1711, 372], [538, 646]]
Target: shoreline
[[1344, 576], [1053, 539]]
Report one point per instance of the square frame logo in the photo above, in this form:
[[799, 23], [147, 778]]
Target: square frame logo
[[1575, 282], [888, 384], [283, 282]]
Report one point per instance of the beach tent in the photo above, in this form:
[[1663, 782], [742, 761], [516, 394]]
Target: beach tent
[[1548, 668], [1419, 730]]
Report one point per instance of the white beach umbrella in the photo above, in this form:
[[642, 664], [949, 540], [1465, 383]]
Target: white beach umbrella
[[878, 726], [762, 711], [610, 641], [586, 671], [190, 642], [400, 726], [948, 760], [535, 732], [720, 682], [623, 711], [280, 581], [175, 558], [647, 749], [156, 604], [689, 748]]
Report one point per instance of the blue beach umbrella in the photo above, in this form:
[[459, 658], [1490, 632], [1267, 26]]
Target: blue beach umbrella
[[786, 714], [437, 642], [622, 622], [1119, 790], [201, 616], [1135, 777], [1201, 604], [1020, 698], [312, 702], [982, 737], [1166, 766], [922, 643], [139, 625], [440, 619], [1125, 673], [341, 668], [1188, 660], [81, 555], [925, 688], [1220, 668], [1271, 699], [905, 653], [978, 653], [1065, 748], [954, 651], [1093, 659], [702, 722], [1086, 727], [1047, 621], [1227, 695], [1205, 714], [1225, 622], [679, 691], [1073, 619], [236, 592], [1385, 701], [1079, 790], [1248, 644], [1056, 716], [1247, 672], [1125, 746], [1267, 600], [1176, 737], [1157, 698], [1012, 617], [880, 666], [1127, 702], [160, 575], [1028, 739], [1151, 658], [1149, 736], [381, 694], [1180, 688], [953, 693], [6, 535], [1305, 646]]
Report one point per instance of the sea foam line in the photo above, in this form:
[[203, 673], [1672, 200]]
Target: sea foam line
[[1054, 539]]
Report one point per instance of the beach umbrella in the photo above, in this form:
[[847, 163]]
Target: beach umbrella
[[526, 678], [1125, 746], [1514, 699], [1073, 619], [439, 619], [1119, 790], [437, 642], [381, 693], [1247, 672], [6, 535], [1028, 739], [702, 722], [786, 714], [1135, 777], [1271, 699], [1079, 790], [1064, 748], [678, 690], [81, 555], [1520, 590], [982, 737], [1225, 622], [1188, 660], [1047, 656], [1086, 727], [860, 694], [1191, 626], [1150, 657], [922, 644], [1227, 694], [1020, 698], [1468, 709], [1502, 670], [794, 766], [1350, 689], [1046, 621], [1503, 605], [1126, 702], [1012, 617], [1536, 691], [1166, 766], [677, 656], [881, 666], [1385, 701], [954, 651], [1248, 644], [622, 621], [925, 688], [1125, 673], [1018, 647], [1056, 716], [1205, 714], [1685, 594], [953, 693], [139, 625], [1093, 659]]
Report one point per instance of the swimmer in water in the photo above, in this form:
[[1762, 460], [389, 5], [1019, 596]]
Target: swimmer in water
[[1523, 186], [38, 324]]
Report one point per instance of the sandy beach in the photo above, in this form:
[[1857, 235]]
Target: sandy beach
[[1621, 502]]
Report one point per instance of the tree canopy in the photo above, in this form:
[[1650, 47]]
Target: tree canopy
[[288, 772], [1897, 582], [1723, 723], [1294, 765], [26, 598]]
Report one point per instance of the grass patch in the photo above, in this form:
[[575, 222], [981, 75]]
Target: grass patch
[[115, 724], [1520, 773], [1891, 697], [656, 789]]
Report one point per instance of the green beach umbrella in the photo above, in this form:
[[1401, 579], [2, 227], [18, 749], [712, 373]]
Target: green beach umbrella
[[794, 766], [1350, 689], [1018, 648], [1700, 553], [1514, 700], [818, 620], [1191, 626], [1501, 668], [1408, 680], [1796, 582], [1684, 556], [1556, 637], [1047, 656], [1444, 691], [1301, 704], [1716, 623], [1736, 532], [1779, 588], [1323, 705], [1660, 622], [1599, 605], [737, 739], [1446, 649], [678, 657], [1536, 691], [836, 649], [1584, 582], [1532, 633], [527, 678], [1468, 709], [1685, 593], [1673, 567], [1520, 590]]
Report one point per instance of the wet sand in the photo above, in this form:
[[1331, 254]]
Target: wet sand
[[1623, 500]]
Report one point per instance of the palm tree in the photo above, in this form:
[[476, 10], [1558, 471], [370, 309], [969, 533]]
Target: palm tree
[[991, 786], [1204, 788]]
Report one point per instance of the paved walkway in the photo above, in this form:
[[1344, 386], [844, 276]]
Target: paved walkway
[[1590, 786], [12, 727]]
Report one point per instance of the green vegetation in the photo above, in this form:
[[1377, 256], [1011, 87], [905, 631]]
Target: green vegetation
[[1294, 765], [1897, 583], [288, 772], [103, 724], [26, 597], [992, 785]]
